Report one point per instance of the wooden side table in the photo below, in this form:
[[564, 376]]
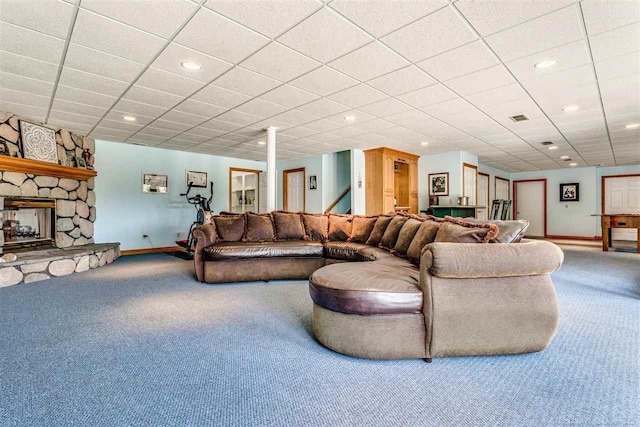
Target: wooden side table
[[610, 221]]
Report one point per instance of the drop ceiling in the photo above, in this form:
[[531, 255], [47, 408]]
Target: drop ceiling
[[422, 76]]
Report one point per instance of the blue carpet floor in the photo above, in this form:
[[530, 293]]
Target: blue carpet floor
[[141, 343]]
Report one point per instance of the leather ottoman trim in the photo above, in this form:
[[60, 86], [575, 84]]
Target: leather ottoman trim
[[365, 302], [243, 250]]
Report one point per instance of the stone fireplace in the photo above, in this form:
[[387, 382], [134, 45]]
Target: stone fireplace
[[28, 223]]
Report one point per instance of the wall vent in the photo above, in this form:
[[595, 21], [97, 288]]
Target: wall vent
[[519, 118], [547, 143]]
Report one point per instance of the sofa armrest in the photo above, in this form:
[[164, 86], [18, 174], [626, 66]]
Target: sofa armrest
[[205, 235], [474, 260]]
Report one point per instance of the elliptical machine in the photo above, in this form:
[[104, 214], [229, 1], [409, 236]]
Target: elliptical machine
[[203, 214]]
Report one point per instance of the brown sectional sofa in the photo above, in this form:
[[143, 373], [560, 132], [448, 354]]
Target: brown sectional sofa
[[397, 286]]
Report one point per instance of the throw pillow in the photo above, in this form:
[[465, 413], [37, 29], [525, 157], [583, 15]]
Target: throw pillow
[[426, 234], [456, 230], [407, 233], [288, 225], [378, 230], [230, 228], [362, 227], [259, 228], [390, 235], [316, 227], [340, 227]]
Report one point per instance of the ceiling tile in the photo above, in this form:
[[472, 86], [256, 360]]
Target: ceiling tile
[[103, 64], [295, 117], [323, 107], [174, 55], [289, 96], [427, 96], [25, 84], [358, 96], [402, 81], [74, 107], [246, 82], [491, 17], [370, 61], [32, 44], [323, 125], [283, 14], [443, 29], [481, 81], [168, 125], [92, 82], [55, 22], [619, 66], [616, 42], [214, 35], [181, 117], [220, 96], [84, 96], [138, 108], [386, 107], [163, 19], [373, 125], [200, 108], [152, 97], [114, 120], [27, 67], [568, 56], [261, 108], [79, 119], [279, 62], [460, 61], [316, 36], [555, 29], [351, 117], [557, 84], [497, 96], [154, 78], [160, 133], [380, 17], [324, 81], [238, 117], [346, 132], [17, 97], [605, 15], [97, 32]]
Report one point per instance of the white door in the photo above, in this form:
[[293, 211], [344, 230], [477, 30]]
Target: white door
[[530, 206], [295, 191], [470, 183], [622, 196], [502, 189], [483, 196]]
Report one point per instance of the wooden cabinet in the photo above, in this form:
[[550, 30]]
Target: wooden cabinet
[[392, 181]]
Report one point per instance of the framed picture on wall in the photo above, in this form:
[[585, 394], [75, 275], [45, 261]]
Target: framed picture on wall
[[570, 192], [313, 182], [199, 179], [155, 183], [38, 142], [439, 184]]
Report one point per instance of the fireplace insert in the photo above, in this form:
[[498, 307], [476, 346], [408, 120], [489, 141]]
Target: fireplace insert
[[28, 223]]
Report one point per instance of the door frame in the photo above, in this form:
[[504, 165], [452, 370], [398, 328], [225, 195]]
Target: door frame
[[285, 188], [488, 191], [515, 200], [231, 170], [602, 187], [495, 181], [464, 184]]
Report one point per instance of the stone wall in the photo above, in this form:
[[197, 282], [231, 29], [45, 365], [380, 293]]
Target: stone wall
[[75, 200]]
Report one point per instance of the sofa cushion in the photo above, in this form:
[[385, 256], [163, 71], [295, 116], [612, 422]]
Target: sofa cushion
[[246, 250], [367, 288], [425, 235], [407, 233], [509, 231], [340, 227], [454, 230], [344, 250], [362, 227], [390, 235], [259, 228], [378, 230], [229, 228], [288, 225], [316, 227]]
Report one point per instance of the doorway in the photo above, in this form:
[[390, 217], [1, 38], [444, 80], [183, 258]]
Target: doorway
[[243, 190], [483, 195], [501, 190], [621, 195], [530, 203], [294, 194]]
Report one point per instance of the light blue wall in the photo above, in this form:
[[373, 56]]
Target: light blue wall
[[493, 172], [124, 213], [313, 166], [445, 162], [358, 199]]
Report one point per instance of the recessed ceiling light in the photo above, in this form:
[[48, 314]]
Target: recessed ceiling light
[[349, 118], [262, 143], [424, 143], [129, 118], [553, 147], [573, 164], [564, 157], [546, 63], [190, 66], [570, 108], [632, 126]]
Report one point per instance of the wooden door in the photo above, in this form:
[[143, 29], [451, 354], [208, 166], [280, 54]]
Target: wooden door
[[530, 204], [622, 196], [388, 188]]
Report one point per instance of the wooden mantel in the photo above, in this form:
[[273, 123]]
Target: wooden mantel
[[36, 167]]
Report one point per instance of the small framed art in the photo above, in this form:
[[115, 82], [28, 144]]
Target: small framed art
[[199, 179], [570, 192], [313, 182], [439, 184], [38, 142], [155, 183]]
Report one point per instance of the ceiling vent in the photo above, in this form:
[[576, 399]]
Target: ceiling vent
[[547, 143], [567, 160], [519, 118]]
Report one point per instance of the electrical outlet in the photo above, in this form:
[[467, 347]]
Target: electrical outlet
[[145, 236]]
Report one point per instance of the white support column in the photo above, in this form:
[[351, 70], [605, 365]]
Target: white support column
[[271, 168]]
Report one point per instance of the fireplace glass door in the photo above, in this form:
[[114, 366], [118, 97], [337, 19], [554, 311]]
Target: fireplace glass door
[[27, 223]]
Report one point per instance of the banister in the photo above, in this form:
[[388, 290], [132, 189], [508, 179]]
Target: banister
[[340, 197]]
